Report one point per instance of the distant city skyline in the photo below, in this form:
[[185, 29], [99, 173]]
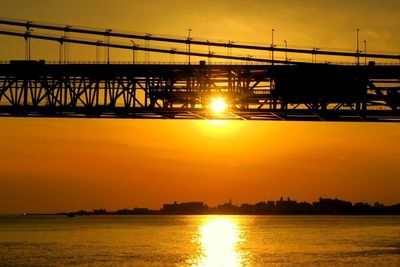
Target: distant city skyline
[[324, 206]]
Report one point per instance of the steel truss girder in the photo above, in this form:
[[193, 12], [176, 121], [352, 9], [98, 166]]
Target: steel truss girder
[[178, 92]]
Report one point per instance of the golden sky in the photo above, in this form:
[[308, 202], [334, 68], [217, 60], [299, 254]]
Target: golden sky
[[68, 164]]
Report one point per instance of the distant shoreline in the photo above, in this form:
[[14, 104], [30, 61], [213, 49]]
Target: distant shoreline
[[324, 206], [216, 214]]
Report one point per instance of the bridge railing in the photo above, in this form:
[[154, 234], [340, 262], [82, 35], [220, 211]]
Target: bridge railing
[[237, 63]]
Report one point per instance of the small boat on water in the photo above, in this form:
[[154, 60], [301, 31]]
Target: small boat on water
[[71, 215]]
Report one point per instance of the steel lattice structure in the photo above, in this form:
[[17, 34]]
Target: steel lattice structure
[[269, 92]]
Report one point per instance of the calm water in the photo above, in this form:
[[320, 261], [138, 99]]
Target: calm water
[[200, 240]]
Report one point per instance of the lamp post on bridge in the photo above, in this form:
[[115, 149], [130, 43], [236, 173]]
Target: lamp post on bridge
[[98, 51], [173, 55], [189, 39], [209, 52], [272, 46], [66, 31], [365, 52], [358, 47], [314, 55], [147, 46], [108, 31], [285, 51], [61, 49], [133, 51], [28, 43], [230, 43]]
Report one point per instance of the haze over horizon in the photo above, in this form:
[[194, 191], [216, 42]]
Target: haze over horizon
[[49, 165]]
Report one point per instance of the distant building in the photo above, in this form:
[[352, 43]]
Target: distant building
[[286, 206], [247, 209], [141, 211], [227, 208], [332, 206], [185, 208], [264, 207], [362, 208], [100, 211]]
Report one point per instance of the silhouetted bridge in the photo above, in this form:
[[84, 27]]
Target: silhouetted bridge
[[276, 90]]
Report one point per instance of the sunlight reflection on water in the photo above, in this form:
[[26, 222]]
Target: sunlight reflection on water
[[219, 239], [206, 240]]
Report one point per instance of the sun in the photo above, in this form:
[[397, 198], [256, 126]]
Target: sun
[[218, 105]]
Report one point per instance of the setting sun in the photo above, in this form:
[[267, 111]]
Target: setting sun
[[218, 105]]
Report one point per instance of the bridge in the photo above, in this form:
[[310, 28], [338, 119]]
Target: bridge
[[252, 88]]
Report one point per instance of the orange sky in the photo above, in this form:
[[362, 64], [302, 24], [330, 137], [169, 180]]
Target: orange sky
[[68, 164]]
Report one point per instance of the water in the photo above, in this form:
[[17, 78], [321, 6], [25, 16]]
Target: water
[[200, 240]]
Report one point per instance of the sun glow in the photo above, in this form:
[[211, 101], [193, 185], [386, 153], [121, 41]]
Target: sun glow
[[218, 105], [219, 238]]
